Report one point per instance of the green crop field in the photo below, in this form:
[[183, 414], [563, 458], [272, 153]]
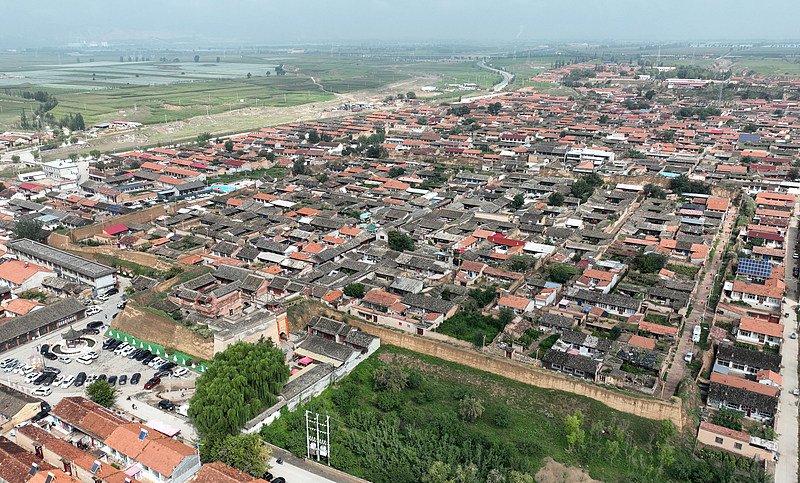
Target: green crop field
[[770, 66]]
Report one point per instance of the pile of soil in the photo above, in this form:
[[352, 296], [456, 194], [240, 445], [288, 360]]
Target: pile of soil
[[554, 472]]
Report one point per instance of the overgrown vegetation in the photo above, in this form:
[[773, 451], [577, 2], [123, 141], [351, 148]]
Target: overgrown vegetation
[[409, 435], [472, 327]]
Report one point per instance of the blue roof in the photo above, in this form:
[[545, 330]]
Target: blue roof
[[669, 175], [114, 208], [47, 218], [749, 138]]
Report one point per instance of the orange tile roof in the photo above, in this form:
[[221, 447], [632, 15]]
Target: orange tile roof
[[21, 306], [17, 271], [761, 327], [745, 384]]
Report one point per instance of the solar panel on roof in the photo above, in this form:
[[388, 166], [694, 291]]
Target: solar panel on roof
[[758, 268]]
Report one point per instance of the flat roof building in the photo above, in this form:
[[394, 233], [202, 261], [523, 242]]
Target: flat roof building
[[65, 264]]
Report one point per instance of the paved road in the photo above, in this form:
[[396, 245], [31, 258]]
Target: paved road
[[507, 76], [786, 421], [699, 314]]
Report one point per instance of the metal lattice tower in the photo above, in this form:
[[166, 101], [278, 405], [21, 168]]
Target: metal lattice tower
[[318, 436]]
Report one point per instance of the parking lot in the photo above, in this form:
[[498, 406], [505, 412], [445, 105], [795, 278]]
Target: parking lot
[[107, 363]]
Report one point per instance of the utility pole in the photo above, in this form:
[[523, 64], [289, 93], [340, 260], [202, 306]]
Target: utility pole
[[317, 436]]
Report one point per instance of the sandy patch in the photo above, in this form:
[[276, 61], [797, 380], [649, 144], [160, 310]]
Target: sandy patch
[[554, 472]]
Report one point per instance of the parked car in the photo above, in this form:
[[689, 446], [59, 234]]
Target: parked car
[[279, 479], [50, 356], [181, 372], [8, 362], [85, 359], [135, 378], [123, 379], [152, 383], [94, 325], [102, 377], [88, 331], [65, 360], [113, 291], [164, 404], [80, 379], [42, 391], [112, 381], [67, 382], [267, 476], [688, 357], [45, 349], [161, 374], [141, 356]]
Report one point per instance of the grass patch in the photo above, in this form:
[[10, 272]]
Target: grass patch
[[395, 437], [683, 270], [471, 327], [657, 319]]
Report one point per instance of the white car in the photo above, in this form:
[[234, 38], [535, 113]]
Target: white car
[[31, 377], [85, 359], [93, 355], [58, 380], [67, 382], [180, 372], [7, 362], [93, 309], [42, 391], [688, 357], [65, 360]]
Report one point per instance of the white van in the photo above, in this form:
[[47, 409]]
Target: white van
[[696, 333]]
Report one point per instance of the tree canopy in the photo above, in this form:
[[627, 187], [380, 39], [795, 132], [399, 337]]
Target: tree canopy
[[240, 382], [518, 202], [555, 199], [355, 290], [400, 242], [100, 392], [245, 452], [682, 184], [27, 228], [654, 191], [649, 263]]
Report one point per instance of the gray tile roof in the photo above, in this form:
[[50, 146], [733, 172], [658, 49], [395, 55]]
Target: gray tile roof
[[75, 263]]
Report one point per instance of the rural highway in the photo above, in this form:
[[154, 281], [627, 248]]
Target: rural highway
[[506, 76]]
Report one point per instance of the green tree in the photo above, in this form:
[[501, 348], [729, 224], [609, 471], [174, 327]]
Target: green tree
[[615, 332], [470, 408], [100, 392], [581, 189], [446, 294], [95, 153], [654, 191], [240, 382], [203, 138], [313, 136], [173, 271], [493, 108], [560, 273], [390, 378], [15, 158], [355, 290], [505, 316], [572, 426], [612, 450], [793, 174], [396, 171], [299, 167], [649, 263], [100, 165], [555, 199], [27, 228], [400, 242], [322, 178], [518, 202], [229, 145], [245, 452], [411, 95]]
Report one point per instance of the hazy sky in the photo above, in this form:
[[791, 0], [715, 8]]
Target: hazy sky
[[49, 22]]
